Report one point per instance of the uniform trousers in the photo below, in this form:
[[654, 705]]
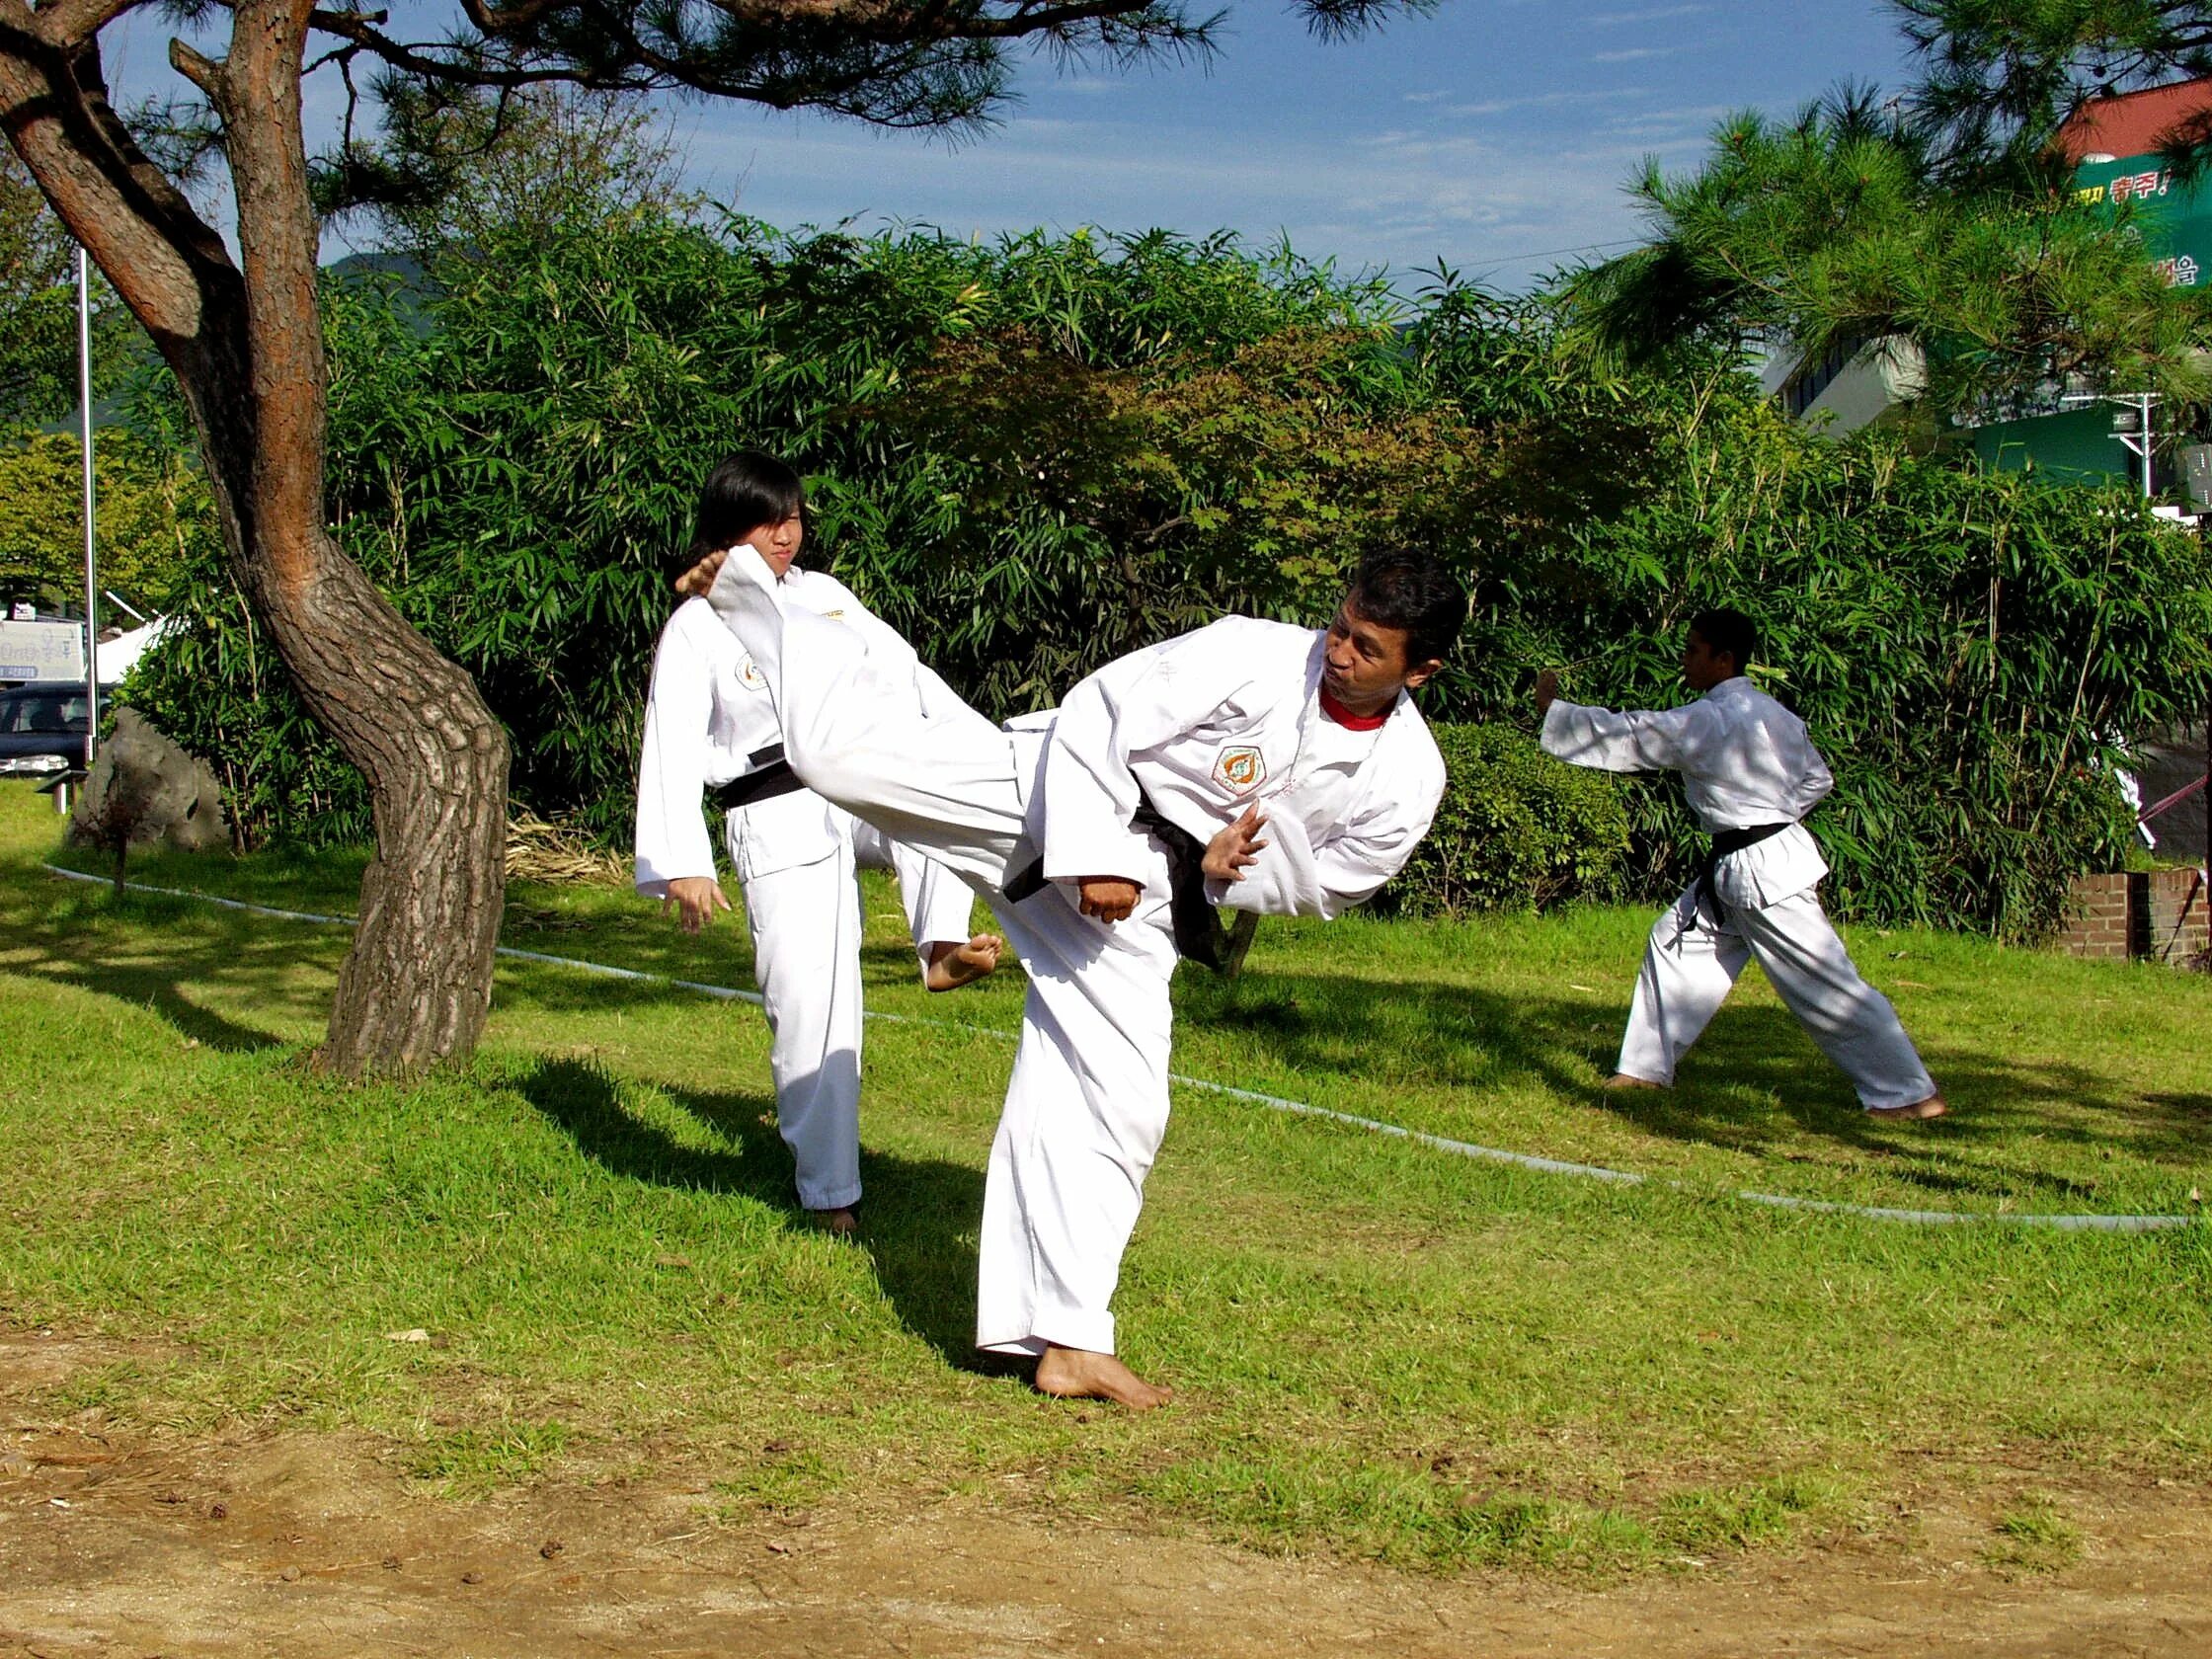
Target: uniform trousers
[[805, 926], [1086, 1106], [1692, 962]]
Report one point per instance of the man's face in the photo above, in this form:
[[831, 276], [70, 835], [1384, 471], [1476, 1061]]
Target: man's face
[[778, 544], [1363, 664], [1702, 668]]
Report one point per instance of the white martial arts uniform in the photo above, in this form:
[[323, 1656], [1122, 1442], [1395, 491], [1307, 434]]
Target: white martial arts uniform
[[1206, 725], [1745, 761], [795, 855]]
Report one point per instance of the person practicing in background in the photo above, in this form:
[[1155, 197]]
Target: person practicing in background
[[710, 728], [1252, 765], [1750, 773]]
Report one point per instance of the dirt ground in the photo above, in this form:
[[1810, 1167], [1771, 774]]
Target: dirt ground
[[126, 1543]]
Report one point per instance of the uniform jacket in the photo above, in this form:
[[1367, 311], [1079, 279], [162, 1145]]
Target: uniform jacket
[[707, 713], [1745, 761], [1211, 723]]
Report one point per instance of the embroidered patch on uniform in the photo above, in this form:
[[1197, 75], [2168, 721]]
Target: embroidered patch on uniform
[[834, 615], [1239, 769], [751, 677]]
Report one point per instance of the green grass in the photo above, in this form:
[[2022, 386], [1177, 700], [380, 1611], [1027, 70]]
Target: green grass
[[470, 1462], [1380, 1350], [2034, 1537]]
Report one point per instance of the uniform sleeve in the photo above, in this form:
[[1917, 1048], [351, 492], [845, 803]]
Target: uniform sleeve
[[1644, 741], [1294, 878], [1133, 704], [671, 830], [1813, 784]]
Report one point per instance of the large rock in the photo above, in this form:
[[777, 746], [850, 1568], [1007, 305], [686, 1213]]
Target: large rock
[[144, 789]]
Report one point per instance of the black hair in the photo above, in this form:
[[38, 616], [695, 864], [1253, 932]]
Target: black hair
[[748, 490], [1728, 633], [1413, 591]]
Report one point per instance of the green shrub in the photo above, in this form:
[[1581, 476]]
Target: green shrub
[[1033, 456], [1515, 831]]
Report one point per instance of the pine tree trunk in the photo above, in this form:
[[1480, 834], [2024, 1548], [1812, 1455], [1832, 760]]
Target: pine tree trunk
[[244, 340], [417, 984]]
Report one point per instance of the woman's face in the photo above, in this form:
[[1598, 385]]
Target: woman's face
[[778, 543]]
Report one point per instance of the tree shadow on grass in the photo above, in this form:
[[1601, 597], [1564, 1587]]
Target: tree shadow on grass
[[1754, 1085], [178, 959], [917, 1223]]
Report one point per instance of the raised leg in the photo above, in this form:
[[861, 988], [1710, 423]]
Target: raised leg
[[856, 731]]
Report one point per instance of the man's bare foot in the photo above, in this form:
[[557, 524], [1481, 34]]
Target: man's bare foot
[[839, 1221], [953, 965], [1919, 1111], [1079, 1373], [1630, 1080]]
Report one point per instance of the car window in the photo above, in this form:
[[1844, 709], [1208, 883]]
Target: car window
[[37, 712]]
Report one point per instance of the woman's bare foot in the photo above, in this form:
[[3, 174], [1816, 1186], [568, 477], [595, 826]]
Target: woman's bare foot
[[1079, 1373], [1630, 1080], [953, 965], [840, 1222], [1919, 1111]]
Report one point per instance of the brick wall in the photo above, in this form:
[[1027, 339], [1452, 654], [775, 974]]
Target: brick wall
[[2159, 914], [2100, 910], [2173, 929]]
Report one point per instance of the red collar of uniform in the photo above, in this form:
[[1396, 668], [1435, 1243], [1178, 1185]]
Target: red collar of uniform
[[1351, 722]]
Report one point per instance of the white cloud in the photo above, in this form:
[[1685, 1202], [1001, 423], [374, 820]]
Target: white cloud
[[1086, 86], [1634, 55], [1543, 100], [1654, 13], [1396, 198]]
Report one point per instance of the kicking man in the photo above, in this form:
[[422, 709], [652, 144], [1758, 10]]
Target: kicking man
[[710, 728], [1250, 765], [1750, 773]]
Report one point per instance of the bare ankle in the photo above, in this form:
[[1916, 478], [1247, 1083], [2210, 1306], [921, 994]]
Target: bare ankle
[[1083, 1373]]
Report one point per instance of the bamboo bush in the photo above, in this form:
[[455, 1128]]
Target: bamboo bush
[[1035, 453]]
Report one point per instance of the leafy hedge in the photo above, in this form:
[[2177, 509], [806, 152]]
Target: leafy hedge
[[1515, 831], [1971, 653], [1035, 454]]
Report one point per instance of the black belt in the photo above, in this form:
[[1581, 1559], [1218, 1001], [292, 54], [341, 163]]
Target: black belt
[[1198, 936], [1724, 842], [770, 775]]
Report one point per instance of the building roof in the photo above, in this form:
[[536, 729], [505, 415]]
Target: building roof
[[2134, 122]]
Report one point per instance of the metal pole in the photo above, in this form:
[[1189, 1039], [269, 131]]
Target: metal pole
[[92, 572], [2146, 404]]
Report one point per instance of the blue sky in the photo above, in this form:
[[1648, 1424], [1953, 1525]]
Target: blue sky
[[1495, 134], [1491, 133]]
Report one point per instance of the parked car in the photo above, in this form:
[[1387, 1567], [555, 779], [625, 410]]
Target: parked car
[[43, 729]]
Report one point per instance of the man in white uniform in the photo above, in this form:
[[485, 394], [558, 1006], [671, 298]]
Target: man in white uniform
[[1248, 766], [1750, 773], [710, 727]]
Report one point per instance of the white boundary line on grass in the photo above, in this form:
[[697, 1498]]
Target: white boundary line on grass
[[1275, 1103]]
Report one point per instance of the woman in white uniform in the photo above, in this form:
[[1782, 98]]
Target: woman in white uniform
[[711, 731]]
